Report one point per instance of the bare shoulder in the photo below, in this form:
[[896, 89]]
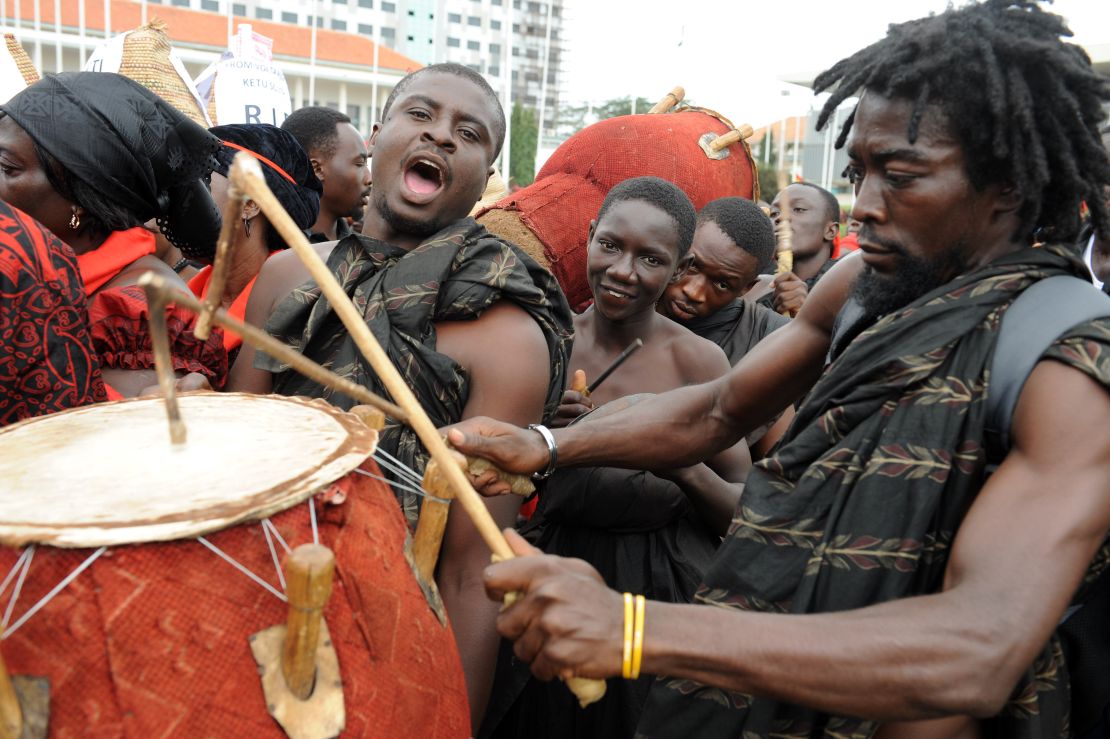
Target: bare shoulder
[[697, 360], [280, 274], [830, 294], [504, 335], [150, 263]]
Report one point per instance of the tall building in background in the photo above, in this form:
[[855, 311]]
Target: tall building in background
[[505, 40]]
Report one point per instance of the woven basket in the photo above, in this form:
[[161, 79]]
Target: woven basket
[[146, 59], [22, 60]]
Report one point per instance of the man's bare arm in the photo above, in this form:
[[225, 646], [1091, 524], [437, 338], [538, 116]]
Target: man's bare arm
[[508, 362], [1016, 562], [691, 424]]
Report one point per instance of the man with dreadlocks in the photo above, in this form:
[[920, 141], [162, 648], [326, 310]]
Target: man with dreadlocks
[[874, 580]]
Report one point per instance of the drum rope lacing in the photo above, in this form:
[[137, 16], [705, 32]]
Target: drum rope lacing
[[407, 480]]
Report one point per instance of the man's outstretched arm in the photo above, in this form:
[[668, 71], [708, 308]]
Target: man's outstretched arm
[[1016, 562], [690, 424]]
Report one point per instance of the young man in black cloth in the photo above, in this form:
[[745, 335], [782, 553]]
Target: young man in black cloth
[[341, 162], [814, 224], [876, 581], [652, 534], [475, 324], [734, 243]]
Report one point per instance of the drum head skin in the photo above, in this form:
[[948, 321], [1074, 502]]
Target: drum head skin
[[107, 474]]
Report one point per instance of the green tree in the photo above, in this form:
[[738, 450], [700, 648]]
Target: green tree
[[768, 169], [522, 155], [621, 106]]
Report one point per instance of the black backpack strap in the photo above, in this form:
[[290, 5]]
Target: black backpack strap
[[1036, 318]]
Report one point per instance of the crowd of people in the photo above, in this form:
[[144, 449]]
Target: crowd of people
[[850, 510]]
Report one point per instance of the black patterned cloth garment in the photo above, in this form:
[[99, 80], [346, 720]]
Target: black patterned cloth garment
[[454, 275], [862, 499], [139, 151], [47, 361]]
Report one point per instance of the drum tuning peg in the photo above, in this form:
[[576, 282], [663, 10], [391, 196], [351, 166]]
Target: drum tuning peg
[[671, 99], [300, 669]]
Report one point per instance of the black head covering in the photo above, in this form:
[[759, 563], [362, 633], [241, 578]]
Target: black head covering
[[115, 135], [285, 165]]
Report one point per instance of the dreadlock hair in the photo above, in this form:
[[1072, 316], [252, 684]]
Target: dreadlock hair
[[832, 205], [465, 72], [664, 195], [745, 224], [1024, 105]]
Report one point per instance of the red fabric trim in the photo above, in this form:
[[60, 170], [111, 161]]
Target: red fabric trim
[[121, 249], [262, 159], [237, 309]]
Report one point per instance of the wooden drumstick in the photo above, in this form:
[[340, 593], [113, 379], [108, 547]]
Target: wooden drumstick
[[786, 240], [730, 138], [157, 288], [163, 362], [252, 182], [308, 577], [229, 237], [11, 715], [671, 99]]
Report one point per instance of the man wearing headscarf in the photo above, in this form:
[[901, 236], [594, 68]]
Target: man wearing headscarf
[[288, 173]]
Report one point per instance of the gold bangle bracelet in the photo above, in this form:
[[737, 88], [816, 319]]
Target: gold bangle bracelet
[[638, 637], [626, 657]]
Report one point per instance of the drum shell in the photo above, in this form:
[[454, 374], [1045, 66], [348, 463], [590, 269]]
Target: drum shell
[[152, 640], [568, 191]]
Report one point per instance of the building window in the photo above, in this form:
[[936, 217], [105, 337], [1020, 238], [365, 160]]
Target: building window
[[366, 3], [288, 17], [365, 29], [389, 7], [264, 14], [473, 20], [339, 2], [453, 42], [532, 53], [516, 28], [181, 3], [319, 22], [410, 38], [533, 7], [476, 67], [515, 75], [338, 25], [495, 71], [412, 14], [454, 18], [238, 9], [516, 4], [389, 33], [495, 2], [354, 112], [495, 25], [495, 49], [473, 45], [212, 5], [516, 51]]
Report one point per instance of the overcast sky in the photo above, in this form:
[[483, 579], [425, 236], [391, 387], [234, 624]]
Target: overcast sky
[[730, 55]]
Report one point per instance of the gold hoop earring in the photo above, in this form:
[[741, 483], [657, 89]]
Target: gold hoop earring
[[75, 221]]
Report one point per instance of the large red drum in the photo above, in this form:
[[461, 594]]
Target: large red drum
[[550, 218], [151, 640]]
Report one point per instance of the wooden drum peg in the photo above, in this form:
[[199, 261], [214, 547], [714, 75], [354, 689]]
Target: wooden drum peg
[[308, 576]]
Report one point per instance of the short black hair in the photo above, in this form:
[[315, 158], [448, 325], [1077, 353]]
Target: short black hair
[[666, 196], [1024, 105], [459, 70], [745, 224], [314, 127], [832, 205]]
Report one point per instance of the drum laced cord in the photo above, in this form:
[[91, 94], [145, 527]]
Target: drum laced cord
[[405, 479]]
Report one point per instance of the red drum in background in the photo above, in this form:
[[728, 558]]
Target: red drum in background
[[557, 208], [152, 639]]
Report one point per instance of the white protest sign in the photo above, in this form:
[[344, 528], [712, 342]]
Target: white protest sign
[[245, 84]]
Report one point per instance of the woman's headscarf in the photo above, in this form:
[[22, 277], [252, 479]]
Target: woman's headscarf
[[140, 152], [285, 165]]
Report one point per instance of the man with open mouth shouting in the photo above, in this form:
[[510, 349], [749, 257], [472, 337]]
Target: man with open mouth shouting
[[477, 325]]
